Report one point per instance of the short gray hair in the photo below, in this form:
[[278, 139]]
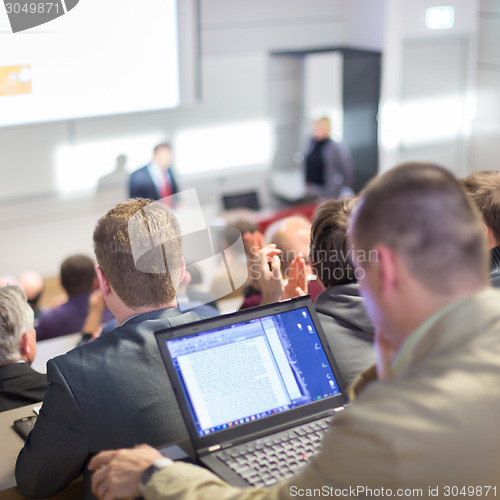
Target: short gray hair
[[16, 318]]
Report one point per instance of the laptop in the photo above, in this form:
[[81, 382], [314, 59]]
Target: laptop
[[256, 389]]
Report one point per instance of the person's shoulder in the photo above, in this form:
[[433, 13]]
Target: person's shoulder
[[83, 355], [140, 172], [50, 315]]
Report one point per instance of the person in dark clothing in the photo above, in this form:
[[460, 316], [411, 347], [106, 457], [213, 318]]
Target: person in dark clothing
[[329, 171], [20, 385], [78, 278], [340, 307], [484, 189], [114, 391], [156, 180]]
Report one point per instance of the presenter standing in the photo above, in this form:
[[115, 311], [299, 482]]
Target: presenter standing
[[329, 170], [155, 180]]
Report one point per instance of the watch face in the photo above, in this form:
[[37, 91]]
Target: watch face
[[147, 474], [152, 469]]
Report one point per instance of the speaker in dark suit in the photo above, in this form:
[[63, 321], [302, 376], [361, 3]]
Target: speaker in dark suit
[[156, 180]]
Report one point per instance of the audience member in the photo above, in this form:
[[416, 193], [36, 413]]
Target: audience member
[[94, 327], [114, 391], [291, 236], [418, 243], [340, 307], [33, 286], [484, 188], [329, 171], [78, 278], [156, 180], [20, 385], [7, 279]]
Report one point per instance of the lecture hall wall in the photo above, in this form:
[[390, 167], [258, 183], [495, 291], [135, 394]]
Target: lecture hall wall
[[237, 38]]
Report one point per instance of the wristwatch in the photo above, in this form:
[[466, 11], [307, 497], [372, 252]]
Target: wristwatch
[[158, 465]]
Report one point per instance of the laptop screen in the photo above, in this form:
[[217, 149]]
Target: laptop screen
[[253, 369]]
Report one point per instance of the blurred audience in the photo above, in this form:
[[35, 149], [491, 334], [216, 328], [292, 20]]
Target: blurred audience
[[291, 236], [114, 391], [20, 385], [484, 188], [7, 279], [78, 278], [33, 286]]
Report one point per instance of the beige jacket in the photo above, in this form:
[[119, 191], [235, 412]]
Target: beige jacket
[[435, 426]]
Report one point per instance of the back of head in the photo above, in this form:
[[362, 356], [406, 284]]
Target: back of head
[[7, 279], [292, 236], [77, 274], [16, 318], [138, 247], [484, 188], [329, 248], [421, 212], [33, 285]]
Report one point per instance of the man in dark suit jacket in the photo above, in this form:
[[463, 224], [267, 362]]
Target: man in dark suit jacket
[[20, 385], [114, 391], [156, 180]]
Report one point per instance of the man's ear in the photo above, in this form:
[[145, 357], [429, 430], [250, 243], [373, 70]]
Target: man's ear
[[103, 282], [182, 270], [490, 237], [387, 264], [27, 348]]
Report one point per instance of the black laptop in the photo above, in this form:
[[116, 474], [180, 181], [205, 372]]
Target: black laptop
[[256, 389]]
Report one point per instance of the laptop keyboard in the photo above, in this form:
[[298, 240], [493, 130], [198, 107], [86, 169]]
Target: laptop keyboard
[[268, 460]]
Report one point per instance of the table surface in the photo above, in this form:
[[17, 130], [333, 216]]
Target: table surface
[[11, 445]]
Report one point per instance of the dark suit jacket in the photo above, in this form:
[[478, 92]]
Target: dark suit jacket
[[141, 184], [20, 385], [113, 392]]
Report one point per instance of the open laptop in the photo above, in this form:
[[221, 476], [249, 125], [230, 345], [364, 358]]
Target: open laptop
[[256, 389]]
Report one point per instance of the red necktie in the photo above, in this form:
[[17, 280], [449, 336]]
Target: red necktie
[[165, 189]]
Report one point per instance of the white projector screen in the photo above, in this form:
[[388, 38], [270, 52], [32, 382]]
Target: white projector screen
[[102, 57]]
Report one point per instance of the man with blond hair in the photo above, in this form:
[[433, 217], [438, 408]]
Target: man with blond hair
[[427, 427], [114, 391]]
